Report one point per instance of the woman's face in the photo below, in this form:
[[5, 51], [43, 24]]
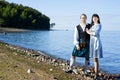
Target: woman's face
[[95, 19], [83, 18]]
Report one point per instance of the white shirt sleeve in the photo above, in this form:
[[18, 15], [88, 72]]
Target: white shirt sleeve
[[76, 37]]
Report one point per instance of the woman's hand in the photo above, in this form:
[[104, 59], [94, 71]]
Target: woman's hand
[[87, 30]]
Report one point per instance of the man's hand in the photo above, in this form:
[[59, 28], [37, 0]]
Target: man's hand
[[78, 47]]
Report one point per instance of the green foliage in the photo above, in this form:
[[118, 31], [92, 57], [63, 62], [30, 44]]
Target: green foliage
[[1, 22], [19, 16]]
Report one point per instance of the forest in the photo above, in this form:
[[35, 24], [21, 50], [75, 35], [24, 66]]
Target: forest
[[14, 15]]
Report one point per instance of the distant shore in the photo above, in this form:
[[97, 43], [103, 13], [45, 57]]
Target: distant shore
[[2, 30], [45, 64]]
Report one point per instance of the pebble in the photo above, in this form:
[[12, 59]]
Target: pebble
[[56, 64], [55, 78], [88, 71], [38, 61], [75, 71], [14, 53], [51, 69], [63, 64], [29, 71], [37, 57]]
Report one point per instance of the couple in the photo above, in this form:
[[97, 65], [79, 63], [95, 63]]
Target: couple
[[87, 42]]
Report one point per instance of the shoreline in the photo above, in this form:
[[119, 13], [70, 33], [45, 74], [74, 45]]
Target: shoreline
[[62, 64], [12, 30], [7, 30]]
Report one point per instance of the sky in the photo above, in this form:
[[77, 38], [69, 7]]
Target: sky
[[66, 13]]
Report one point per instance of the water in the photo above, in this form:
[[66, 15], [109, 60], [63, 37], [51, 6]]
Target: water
[[60, 44]]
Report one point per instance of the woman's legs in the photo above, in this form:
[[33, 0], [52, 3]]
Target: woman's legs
[[87, 62], [96, 65]]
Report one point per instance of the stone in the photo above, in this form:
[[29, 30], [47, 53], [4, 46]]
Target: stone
[[53, 61], [51, 69], [55, 78], [63, 64], [75, 71], [42, 59], [38, 61], [88, 71], [29, 71], [63, 69], [82, 72], [56, 64], [88, 78], [50, 61], [14, 53], [81, 69], [37, 57]]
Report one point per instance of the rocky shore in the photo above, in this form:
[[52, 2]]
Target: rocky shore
[[61, 64]]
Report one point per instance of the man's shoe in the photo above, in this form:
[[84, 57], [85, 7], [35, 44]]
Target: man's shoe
[[69, 71]]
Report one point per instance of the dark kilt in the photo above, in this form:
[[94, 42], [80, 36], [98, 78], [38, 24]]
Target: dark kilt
[[83, 52]]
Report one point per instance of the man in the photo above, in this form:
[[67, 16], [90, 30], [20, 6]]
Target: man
[[81, 42]]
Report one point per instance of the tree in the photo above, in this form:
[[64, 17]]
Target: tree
[[19, 16], [23, 15], [1, 22]]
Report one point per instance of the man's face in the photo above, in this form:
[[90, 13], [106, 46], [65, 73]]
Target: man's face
[[83, 18]]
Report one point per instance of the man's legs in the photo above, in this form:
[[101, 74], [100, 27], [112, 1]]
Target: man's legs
[[72, 61]]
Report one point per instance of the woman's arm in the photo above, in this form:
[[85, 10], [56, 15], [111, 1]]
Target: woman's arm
[[95, 32], [89, 32]]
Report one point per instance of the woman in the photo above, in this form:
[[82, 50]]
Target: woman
[[81, 42], [95, 42]]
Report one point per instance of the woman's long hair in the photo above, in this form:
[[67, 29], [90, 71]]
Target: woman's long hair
[[95, 15]]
